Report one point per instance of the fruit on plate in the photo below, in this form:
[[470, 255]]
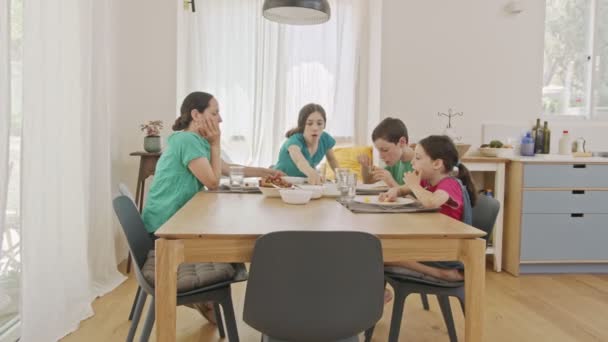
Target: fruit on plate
[[272, 181]]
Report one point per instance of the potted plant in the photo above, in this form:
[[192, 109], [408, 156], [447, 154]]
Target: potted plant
[[152, 138]]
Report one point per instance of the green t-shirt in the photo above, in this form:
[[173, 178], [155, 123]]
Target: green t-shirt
[[286, 164], [173, 183], [399, 169]]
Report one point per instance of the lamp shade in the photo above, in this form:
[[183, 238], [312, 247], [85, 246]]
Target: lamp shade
[[297, 12]]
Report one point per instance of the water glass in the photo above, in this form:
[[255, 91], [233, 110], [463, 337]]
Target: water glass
[[237, 176], [341, 174], [347, 185]]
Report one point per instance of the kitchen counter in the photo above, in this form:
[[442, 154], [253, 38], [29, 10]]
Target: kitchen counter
[[556, 158]]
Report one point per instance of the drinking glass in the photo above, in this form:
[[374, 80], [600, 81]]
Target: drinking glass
[[237, 176]]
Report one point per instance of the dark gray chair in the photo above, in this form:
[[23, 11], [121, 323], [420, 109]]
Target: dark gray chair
[[405, 283], [314, 286], [124, 190], [140, 244]]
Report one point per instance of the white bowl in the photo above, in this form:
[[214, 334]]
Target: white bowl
[[269, 192], [295, 196], [506, 152], [317, 190], [489, 151], [295, 180]]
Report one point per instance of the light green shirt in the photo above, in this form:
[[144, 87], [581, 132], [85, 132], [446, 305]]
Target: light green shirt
[[173, 183], [399, 169]]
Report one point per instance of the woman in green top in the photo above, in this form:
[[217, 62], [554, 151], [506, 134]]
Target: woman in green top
[[190, 162], [391, 140], [307, 145]]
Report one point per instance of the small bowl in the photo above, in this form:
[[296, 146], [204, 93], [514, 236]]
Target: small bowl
[[295, 196], [462, 149], [269, 192], [317, 190], [506, 152]]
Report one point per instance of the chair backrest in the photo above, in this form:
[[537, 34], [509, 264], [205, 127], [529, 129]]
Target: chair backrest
[[315, 286], [485, 213], [124, 190], [138, 238]]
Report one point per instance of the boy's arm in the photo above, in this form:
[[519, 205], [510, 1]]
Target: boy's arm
[[366, 167]]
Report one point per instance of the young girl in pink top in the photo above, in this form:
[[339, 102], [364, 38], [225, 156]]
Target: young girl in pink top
[[439, 180]]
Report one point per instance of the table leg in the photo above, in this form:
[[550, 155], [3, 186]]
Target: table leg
[[473, 257], [499, 188], [169, 254]]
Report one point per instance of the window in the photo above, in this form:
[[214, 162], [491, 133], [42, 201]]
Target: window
[[262, 73], [10, 255], [575, 75]]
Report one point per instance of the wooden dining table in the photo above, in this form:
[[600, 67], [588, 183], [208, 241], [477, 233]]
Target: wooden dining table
[[223, 227]]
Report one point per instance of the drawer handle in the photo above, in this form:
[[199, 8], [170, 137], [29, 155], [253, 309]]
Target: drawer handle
[[577, 215], [578, 192], [579, 166]]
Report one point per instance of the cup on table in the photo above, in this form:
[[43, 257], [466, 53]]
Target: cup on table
[[237, 176], [347, 185], [341, 174]]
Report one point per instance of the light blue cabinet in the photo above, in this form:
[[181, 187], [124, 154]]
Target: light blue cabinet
[[558, 216]]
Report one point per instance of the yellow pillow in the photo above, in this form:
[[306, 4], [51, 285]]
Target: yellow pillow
[[347, 158]]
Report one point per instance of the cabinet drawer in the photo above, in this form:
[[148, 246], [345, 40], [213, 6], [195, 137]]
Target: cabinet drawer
[[546, 237], [566, 176], [565, 202]]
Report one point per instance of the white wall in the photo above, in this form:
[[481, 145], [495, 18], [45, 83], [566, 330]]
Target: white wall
[[471, 56], [143, 79]]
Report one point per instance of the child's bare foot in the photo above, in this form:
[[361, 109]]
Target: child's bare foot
[[206, 310], [451, 275], [388, 296]]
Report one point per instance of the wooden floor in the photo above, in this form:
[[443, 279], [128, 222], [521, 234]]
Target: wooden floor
[[529, 308]]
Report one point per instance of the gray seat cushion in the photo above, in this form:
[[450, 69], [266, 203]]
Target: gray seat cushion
[[192, 276], [407, 274]]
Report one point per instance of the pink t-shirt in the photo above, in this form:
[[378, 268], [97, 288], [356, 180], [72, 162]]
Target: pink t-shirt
[[453, 207]]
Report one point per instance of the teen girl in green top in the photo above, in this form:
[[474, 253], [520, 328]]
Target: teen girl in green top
[[307, 145]]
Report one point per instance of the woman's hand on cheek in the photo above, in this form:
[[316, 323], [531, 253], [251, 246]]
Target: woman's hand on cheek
[[211, 131]]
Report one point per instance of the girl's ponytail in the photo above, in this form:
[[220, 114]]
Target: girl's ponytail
[[467, 180]]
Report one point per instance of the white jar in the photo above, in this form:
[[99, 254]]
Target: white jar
[[565, 144]]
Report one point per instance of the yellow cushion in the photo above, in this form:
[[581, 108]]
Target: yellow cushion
[[347, 158]]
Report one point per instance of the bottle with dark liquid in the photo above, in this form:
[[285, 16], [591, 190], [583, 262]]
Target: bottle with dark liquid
[[546, 139]]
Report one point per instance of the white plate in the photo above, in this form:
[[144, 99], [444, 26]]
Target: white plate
[[295, 180], [374, 200], [375, 186]]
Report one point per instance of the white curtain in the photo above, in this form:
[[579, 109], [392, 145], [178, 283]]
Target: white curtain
[[5, 108], [262, 72], [68, 254]]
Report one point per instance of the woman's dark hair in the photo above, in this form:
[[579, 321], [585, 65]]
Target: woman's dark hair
[[303, 116], [196, 100], [391, 130], [442, 147]]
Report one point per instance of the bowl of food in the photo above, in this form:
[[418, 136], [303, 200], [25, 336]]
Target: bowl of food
[[496, 149], [295, 196], [270, 186]]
